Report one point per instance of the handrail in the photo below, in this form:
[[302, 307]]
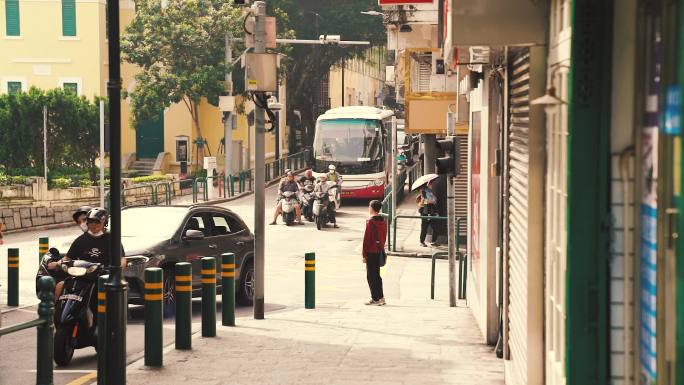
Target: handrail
[[394, 243], [432, 276]]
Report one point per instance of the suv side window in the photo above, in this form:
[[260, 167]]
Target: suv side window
[[225, 224], [196, 222]]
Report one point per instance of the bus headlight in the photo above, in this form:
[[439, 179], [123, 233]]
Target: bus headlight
[[379, 182]]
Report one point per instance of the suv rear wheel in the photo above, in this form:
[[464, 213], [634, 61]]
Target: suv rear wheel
[[245, 293]]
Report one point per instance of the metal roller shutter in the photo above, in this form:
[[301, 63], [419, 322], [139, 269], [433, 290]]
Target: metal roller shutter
[[461, 182], [517, 210]]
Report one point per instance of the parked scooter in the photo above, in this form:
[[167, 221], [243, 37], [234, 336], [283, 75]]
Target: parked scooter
[[288, 203], [76, 309], [308, 201]]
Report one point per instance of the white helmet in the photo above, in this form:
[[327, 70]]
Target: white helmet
[[331, 167]]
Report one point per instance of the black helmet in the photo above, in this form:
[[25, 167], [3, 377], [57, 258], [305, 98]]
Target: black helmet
[[100, 214], [81, 211]]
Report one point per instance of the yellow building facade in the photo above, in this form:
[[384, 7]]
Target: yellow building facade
[[62, 43], [362, 83]]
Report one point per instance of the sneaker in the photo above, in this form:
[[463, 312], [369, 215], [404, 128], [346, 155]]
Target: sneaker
[[423, 244], [435, 244], [273, 223], [336, 226], [380, 302], [371, 302]]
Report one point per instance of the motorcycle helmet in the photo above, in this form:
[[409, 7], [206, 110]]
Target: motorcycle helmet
[[83, 210], [331, 168], [100, 214]]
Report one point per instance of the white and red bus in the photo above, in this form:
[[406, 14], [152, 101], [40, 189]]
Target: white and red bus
[[357, 140]]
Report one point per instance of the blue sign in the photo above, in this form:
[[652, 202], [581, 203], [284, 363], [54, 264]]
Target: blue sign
[[673, 112]]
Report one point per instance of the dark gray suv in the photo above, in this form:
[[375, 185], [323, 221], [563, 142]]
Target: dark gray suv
[[162, 236]]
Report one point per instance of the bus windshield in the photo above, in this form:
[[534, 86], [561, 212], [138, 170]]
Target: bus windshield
[[350, 144]]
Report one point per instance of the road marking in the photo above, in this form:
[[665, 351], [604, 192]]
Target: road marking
[[83, 379]]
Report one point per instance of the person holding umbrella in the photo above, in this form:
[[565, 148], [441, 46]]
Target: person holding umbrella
[[426, 201]]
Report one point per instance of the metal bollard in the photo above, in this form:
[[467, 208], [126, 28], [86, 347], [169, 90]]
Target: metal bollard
[[43, 247], [208, 297], [13, 277], [228, 289], [310, 280], [183, 272], [153, 317], [101, 329], [46, 331]]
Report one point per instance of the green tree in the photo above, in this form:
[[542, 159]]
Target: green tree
[[72, 130], [307, 64], [180, 49]]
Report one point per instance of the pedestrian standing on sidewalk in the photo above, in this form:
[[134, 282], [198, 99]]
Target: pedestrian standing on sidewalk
[[374, 252], [427, 202]]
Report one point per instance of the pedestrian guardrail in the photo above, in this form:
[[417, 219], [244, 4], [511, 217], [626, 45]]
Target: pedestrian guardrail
[[396, 220], [45, 330], [462, 273]]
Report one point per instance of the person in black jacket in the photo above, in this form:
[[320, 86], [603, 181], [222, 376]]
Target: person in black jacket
[[373, 246]]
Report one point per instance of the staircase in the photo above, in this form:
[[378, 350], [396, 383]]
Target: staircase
[[141, 167]]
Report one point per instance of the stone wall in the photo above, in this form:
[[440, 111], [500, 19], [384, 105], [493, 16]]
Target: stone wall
[[25, 207], [26, 216]]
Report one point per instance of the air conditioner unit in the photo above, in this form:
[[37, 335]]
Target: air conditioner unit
[[479, 56]]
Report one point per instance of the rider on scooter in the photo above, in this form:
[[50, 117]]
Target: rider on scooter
[[323, 186], [92, 245], [289, 184]]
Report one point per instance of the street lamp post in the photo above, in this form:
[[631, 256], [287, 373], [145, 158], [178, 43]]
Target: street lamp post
[[115, 370], [259, 173]]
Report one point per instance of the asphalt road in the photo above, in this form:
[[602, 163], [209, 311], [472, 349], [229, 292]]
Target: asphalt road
[[285, 248]]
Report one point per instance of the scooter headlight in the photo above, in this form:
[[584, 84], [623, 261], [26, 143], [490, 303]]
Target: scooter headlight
[[77, 271]]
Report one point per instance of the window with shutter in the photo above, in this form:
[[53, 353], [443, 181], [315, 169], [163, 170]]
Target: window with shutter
[[12, 18], [71, 87], [13, 87], [68, 17]]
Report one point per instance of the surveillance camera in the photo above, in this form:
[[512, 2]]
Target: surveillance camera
[[273, 104]]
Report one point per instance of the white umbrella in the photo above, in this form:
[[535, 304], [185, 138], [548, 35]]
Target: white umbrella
[[423, 180]]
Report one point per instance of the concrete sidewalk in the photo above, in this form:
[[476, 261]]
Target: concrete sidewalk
[[412, 340]]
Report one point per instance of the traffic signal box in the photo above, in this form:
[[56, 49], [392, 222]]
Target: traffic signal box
[[448, 164]]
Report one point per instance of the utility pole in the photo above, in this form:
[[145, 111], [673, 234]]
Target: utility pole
[[259, 172], [228, 123], [343, 62], [102, 154], [45, 143], [116, 286]]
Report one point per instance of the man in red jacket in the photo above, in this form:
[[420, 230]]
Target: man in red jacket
[[373, 246]]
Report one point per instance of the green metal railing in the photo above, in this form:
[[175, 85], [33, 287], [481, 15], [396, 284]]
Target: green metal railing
[[45, 328], [396, 220], [245, 179]]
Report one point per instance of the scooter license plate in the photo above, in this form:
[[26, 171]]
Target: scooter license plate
[[71, 296]]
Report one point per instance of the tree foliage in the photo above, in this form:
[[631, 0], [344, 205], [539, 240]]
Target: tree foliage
[[72, 130], [307, 64], [180, 49]]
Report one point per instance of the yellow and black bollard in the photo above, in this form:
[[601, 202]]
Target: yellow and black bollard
[[183, 272], [228, 289], [101, 329], [310, 280], [208, 297], [153, 317], [43, 247], [13, 277]]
